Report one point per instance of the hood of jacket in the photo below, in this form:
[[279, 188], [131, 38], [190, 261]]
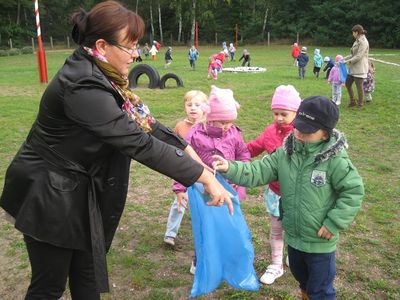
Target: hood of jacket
[[336, 144]]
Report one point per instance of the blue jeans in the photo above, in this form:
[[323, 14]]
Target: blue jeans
[[315, 273], [302, 72], [174, 219]]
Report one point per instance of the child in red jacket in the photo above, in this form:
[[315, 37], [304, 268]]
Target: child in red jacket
[[285, 103], [295, 53]]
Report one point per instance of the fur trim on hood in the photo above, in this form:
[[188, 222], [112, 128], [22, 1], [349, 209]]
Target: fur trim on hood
[[338, 145]]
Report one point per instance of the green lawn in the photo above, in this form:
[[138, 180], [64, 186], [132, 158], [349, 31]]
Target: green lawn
[[140, 265]]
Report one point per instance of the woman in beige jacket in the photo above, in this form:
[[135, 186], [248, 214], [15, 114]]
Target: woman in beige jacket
[[358, 65]]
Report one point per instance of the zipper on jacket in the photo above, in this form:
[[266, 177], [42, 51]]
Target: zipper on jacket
[[297, 193]]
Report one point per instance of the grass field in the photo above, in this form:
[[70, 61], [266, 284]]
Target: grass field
[[140, 265]]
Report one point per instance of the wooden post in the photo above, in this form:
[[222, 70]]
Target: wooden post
[[33, 45], [216, 38], [68, 45], [51, 42], [268, 38], [11, 44]]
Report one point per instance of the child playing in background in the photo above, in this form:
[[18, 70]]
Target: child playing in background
[[295, 53], [246, 58], [215, 65], [329, 65], [285, 103], [335, 81], [321, 192], [193, 55], [193, 100], [317, 62], [139, 53], [153, 52], [168, 57], [232, 51], [218, 135], [302, 61], [146, 51], [369, 82]]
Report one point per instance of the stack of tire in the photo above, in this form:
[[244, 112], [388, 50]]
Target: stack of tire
[[154, 77]]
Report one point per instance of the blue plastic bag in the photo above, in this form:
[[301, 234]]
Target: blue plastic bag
[[342, 72], [223, 244]]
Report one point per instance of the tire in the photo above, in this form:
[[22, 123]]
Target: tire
[[139, 70], [167, 76]]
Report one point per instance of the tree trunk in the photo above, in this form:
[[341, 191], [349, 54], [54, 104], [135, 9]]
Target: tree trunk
[[265, 23], [192, 31], [180, 28], [137, 4], [179, 8], [151, 22], [18, 21], [160, 24]]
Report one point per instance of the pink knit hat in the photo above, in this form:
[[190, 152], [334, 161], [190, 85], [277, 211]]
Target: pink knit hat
[[286, 97], [221, 105], [338, 58]]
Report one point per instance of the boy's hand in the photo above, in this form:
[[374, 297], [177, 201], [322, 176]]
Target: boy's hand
[[181, 200], [325, 233], [220, 164]]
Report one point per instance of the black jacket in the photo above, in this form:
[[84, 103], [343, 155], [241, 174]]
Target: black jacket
[[73, 168]]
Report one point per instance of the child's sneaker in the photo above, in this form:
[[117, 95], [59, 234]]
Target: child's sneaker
[[169, 240], [193, 267], [271, 274]]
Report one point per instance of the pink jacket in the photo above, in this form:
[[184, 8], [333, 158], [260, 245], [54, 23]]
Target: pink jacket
[[207, 141], [271, 138], [334, 75]]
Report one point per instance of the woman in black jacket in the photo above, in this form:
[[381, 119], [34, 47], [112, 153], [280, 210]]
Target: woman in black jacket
[[66, 187]]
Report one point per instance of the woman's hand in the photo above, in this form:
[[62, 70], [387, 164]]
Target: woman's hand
[[220, 164], [217, 192], [324, 233], [181, 200]]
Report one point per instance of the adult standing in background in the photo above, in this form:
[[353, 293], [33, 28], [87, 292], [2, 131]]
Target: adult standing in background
[[358, 65], [66, 188]]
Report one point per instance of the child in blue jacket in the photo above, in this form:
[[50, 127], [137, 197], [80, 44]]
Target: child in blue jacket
[[302, 62]]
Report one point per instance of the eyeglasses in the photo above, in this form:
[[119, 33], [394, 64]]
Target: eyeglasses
[[130, 51]]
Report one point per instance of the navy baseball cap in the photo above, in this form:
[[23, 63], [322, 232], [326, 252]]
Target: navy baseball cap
[[316, 112]]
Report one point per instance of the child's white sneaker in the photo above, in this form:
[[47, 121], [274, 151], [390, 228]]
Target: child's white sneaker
[[271, 274], [169, 240], [192, 268]]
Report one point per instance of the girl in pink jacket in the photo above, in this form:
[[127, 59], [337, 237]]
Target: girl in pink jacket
[[334, 80], [285, 102], [218, 135]]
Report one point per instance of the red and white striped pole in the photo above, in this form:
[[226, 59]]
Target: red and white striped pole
[[41, 56]]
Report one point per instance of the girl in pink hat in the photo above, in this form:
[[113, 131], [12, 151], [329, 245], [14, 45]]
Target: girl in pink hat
[[217, 135], [285, 102]]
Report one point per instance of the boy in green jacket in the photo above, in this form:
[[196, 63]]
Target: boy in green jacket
[[321, 192]]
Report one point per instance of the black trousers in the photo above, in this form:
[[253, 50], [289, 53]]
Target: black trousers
[[52, 266]]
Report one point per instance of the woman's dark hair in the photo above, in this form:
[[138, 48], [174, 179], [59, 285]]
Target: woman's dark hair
[[105, 21], [359, 29]]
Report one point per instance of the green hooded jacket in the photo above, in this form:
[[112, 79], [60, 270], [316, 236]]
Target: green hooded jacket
[[319, 187]]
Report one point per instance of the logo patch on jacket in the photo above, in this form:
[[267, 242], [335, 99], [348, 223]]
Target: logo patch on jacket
[[318, 178]]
